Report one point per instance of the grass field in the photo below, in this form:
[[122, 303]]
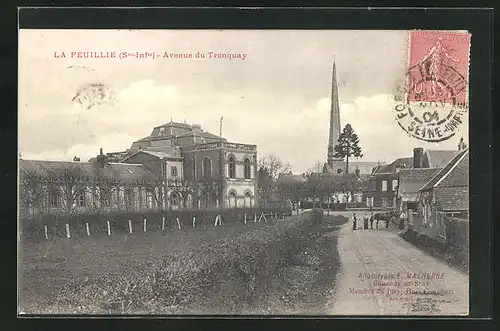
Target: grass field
[[45, 266]]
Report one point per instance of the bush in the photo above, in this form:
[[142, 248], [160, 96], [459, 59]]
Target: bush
[[56, 224], [228, 275]]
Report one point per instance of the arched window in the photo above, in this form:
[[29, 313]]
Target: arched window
[[232, 199], [174, 200], [232, 167], [248, 199], [207, 168], [247, 169]]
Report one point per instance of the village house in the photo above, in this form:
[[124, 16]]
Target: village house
[[177, 166], [446, 195]]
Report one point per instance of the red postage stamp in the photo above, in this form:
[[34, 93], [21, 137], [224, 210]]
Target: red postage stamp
[[435, 98], [438, 66]]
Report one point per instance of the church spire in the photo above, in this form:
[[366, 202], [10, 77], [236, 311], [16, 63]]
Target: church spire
[[334, 118]]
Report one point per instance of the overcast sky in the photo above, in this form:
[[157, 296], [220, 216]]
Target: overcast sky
[[277, 98]]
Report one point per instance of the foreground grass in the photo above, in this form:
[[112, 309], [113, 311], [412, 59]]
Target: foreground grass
[[303, 284], [46, 266]]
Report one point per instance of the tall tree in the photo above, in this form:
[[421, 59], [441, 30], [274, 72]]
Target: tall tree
[[347, 146]]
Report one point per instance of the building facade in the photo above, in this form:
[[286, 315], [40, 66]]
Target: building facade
[[177, 166]]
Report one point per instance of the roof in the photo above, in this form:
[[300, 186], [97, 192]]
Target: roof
[[411, 180], [453, 198], [159, 153], [405, 163], [455, 174], [176, 124], [440, 158], [126, 172], [368, 184], [365, 167]]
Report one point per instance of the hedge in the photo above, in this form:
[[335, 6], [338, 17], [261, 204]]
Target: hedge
[[229, 275], [56, 225], [332, 206]]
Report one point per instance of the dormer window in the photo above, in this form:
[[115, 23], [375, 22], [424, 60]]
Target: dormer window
[[162, 131]]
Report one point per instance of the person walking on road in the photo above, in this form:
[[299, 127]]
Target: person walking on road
[[365, 221], [354, 221], [371, 221]]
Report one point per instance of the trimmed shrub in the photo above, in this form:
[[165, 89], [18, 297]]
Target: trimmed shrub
[[56, 224], [229, 275]]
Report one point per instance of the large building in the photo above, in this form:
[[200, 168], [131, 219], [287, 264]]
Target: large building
[[176, 166]]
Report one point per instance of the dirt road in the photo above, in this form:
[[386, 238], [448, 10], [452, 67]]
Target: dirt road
[[381, 274]]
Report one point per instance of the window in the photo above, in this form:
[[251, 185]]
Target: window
[[149, 199], [232, 167], [207, 168], [174, 200], [54, 198], [384, 185], [128, 197], [173, 171], [394, 184], [81, 199], [247, 169], [232, 199], [105, 198], [248, 199], [162, 131]]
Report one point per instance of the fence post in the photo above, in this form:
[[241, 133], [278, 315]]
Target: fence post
[[245, 217], [178, 223], [109, 228], [255, 218], [194, 221], [216, 220], [163, 223], [88, 229], [199, 204], [130, 226], [67, 231], [46, 232], [145, 220], [217, 203]]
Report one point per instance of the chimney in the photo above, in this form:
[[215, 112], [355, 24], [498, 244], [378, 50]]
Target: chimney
[[76, 159], [101, 159], [418, 157]]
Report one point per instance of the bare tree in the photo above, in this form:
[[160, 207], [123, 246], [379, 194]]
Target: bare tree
[[32, 190], [69, 182], [101, 188], [274, 165]]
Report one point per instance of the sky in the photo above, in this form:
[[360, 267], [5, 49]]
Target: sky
[[278, 97]]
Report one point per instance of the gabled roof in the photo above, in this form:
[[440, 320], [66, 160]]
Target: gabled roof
[[126, 172], [175, 125], [292, 177], [440, 158], [455, 174], [404, 163], [411, 180]]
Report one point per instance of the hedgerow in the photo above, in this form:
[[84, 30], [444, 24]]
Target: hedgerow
[[227, 275]]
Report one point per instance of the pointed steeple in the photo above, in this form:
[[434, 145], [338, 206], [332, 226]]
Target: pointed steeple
[[334, 119]]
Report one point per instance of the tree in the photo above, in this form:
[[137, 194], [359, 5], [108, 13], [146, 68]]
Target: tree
[[348, 184], [68, 182], [32, 190], [209, 190], [270, 167], [274, 165], [291, 188], [347, 145]]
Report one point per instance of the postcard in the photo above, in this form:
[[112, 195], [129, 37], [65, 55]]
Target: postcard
[[243, 172]]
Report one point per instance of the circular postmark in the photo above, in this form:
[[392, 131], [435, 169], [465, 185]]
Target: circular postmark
[[434, 102]]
